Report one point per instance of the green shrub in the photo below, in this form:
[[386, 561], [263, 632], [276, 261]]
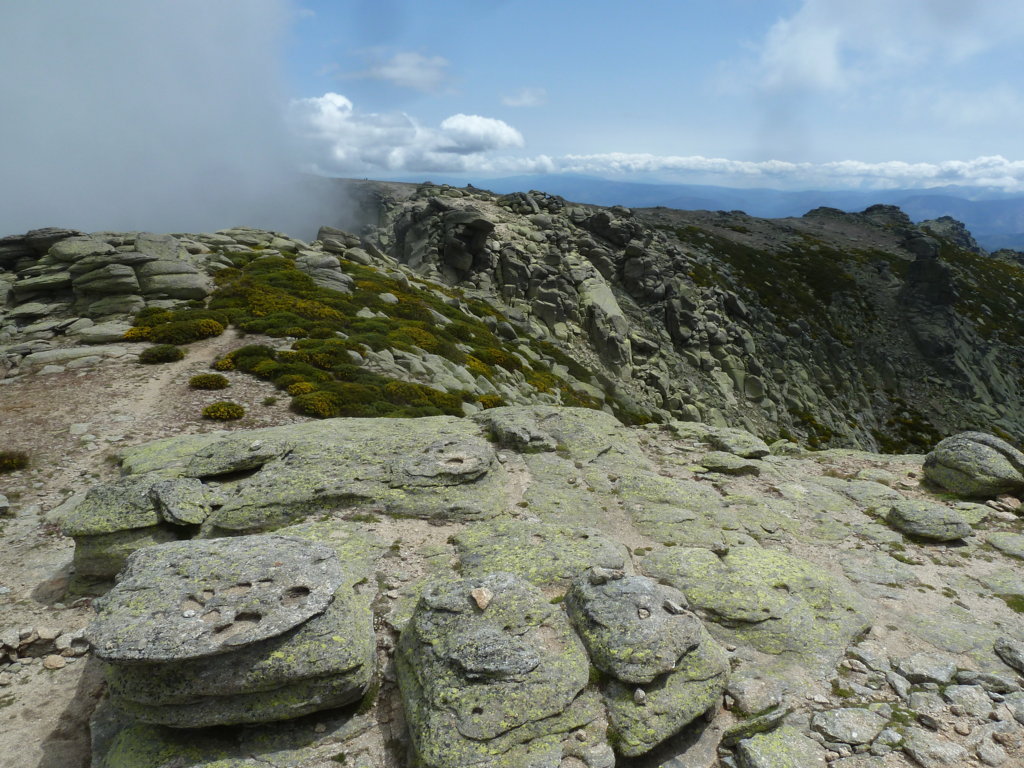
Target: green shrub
[[248, 357], [499, 356], [185, 331], [138, 333], [223, 410], [161, 353], [322, 405], [150, 316], [11, 461], [208, 381]]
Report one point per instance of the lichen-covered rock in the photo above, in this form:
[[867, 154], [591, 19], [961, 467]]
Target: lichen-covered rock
[[926, 668], [931, 750], [849, 725], [318, 740], [634, 628], [122, 505], [661, 668], [927, 520], [1011, 651], [785, 747], [326, 661], [173, 279], [765, 598], [729, 464], [1011, 544], [438, 467], [445, 462], [234, 454], [500, 685], [181, 501], [642, 717], [738, 442], [325, 271], [103, 555], [190, 599], [545, 554], [975, 464]]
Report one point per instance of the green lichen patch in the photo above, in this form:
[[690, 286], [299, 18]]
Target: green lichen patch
[[765, 598]]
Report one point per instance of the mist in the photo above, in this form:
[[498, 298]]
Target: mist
[[164, 115]]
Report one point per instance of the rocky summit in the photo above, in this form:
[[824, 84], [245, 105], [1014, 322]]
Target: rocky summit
[[508, 482]]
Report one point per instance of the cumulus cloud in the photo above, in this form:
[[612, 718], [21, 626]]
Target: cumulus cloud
[[409, 69], [470, 134], [341, 139], [526, 97]]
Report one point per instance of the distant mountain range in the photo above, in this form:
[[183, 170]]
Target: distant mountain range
[[995, 218]]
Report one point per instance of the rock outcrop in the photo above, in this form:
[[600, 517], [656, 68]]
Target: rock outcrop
[[231, 631], [975, 464], [631, 522], [742, 619]]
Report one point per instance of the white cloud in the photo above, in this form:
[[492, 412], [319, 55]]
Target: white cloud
[[338, 138], [526, 97], [837, 44], [409, 69], [995, 171], [472, 133]]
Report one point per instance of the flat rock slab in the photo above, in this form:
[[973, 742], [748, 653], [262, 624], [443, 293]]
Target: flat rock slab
[[765, 598], [738, 442], [930, 750], [325, 662], [927, 520], [784, 747], [122, 505], [729, 464], [851, 725], [1011, 544], [189, 599], [927, 668], [545, 554]]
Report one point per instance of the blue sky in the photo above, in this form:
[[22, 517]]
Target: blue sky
[[190, 113], [789, 93]]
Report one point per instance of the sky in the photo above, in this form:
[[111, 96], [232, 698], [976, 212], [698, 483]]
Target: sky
[[194, 113], [787, 93]]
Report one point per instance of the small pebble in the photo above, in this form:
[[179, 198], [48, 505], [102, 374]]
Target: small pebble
[[482, 596], [55, 662]]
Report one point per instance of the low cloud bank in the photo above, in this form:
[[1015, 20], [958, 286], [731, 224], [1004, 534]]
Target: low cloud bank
[[157, 115], [339, 139]]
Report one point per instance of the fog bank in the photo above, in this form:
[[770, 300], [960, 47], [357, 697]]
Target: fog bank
[[164, 115]]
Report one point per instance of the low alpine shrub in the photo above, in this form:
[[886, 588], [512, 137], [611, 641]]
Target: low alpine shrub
[[161, 353], [11, 461], [223, 410], [208, 381]]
